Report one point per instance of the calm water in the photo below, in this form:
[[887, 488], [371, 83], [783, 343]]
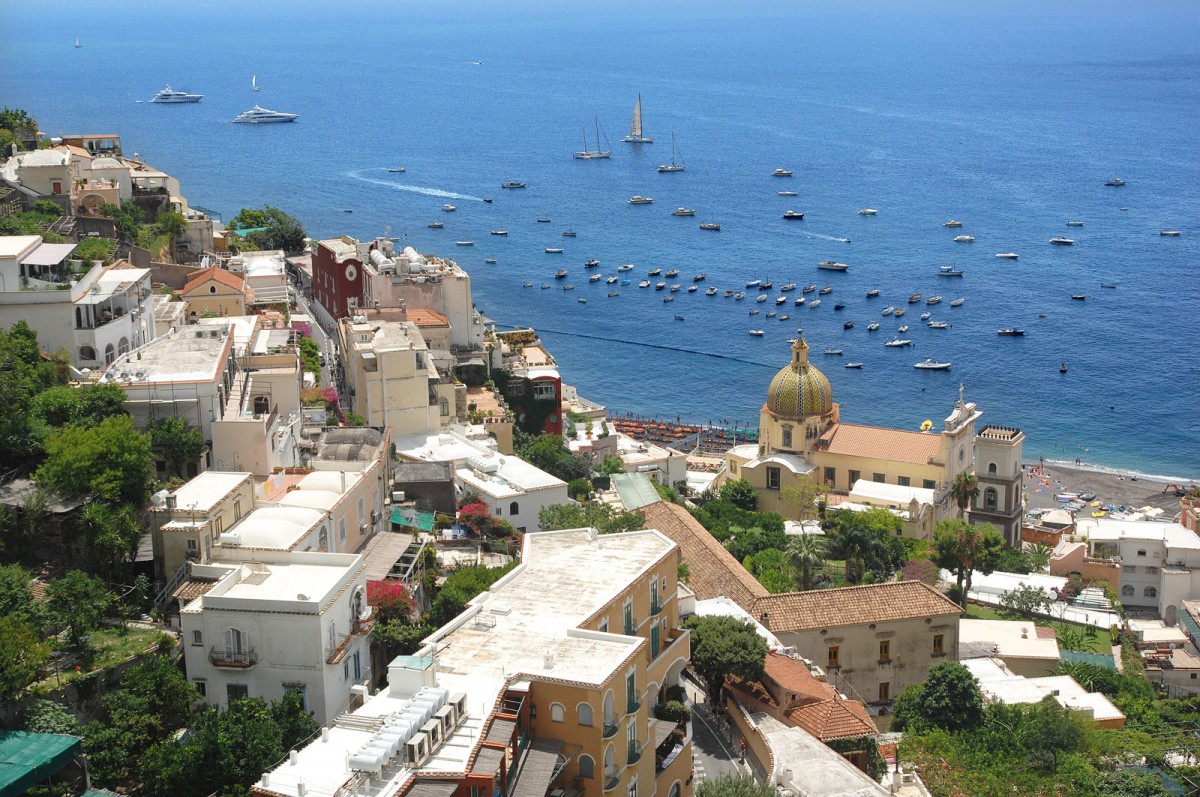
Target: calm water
[[1007, 118]]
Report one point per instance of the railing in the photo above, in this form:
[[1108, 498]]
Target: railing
[[656, 605], [242, 659], [635, 752], [634, 701], [363, 626], [676, 638], [630, 626], [610, 729], [337, 648], [611, 781]]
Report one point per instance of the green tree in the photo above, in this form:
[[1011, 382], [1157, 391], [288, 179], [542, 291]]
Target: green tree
[[611, 465], [110, 538], [949, 699], [734, 786], [605, 518], [111, 460], [867, 541], [16, 601], [354, 419], [772, 569], [128, 219], [17, 120], [801, 499], [295, 724], [579, 489], [744, 542], [963, 549], [963, 490], [1039, 557], [77, 602], [22, 654], [740, 493], [24, 375], [1047, 732], [90, 250], [1024, 601], [248, 218], [282, 231], [88, 405], [805, 553], [47, 716], [724, 646], [177, 440], [399, 637]]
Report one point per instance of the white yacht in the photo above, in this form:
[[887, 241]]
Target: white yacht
[[636, 136], [169, 95], [683, 212], [868, 212], [261, 115], [964, 239], [639, 200], [781, 173]]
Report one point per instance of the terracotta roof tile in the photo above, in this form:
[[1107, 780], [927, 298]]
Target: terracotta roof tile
[[794, 676], [834, 719], [215, 273], [896, 445], [873, 603], [427, 318], [193, 588], [820, 709], [712, 570]]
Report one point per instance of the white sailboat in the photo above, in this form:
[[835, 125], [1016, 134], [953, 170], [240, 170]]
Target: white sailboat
[[77, 42], [593, 154], [672, 166], [635, 130], [254, 82]]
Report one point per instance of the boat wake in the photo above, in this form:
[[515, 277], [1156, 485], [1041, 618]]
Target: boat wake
[[413, 189], [824, 237]]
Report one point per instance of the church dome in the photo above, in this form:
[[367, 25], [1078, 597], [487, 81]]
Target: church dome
[[799, 390]]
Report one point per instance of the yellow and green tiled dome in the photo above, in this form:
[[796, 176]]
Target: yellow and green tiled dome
[[799, 390]]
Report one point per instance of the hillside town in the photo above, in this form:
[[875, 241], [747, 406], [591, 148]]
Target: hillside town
[[290, 517]]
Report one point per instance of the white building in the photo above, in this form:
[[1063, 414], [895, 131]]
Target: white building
[[265, 274], [265, 623], [999, 684], [1160, 561], [94, 313], [512, 488]]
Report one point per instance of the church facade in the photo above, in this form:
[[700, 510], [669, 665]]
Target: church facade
[[801, 437]]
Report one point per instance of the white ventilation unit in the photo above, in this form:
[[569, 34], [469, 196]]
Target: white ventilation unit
[[433, 730], [416, 750], [483, 465]]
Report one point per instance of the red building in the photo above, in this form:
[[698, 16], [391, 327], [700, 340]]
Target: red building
[[337, 276]]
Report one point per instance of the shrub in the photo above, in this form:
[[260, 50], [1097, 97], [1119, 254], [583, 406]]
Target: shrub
[[672, 711]]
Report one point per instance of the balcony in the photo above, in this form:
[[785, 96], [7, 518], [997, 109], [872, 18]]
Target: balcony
[[656, 606], [337, 648], [236, 659], [610, 728], [633, 701], [611, 781], [630, 626], [635, 752], [363, 626]]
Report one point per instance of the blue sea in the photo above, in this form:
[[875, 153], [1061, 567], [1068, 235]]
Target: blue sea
[[1007, 116]]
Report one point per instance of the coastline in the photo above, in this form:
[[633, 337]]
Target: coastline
[[1043, 482]]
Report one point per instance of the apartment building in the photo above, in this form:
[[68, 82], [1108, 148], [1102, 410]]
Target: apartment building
[[543, 687]]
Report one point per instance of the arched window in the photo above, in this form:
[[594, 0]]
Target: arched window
[[123, 346], [87, 353], [609, 768], [109, 354], [587, 766], [513, 508], [557, 711], [323, 539], [235, 641], [989, 498], [787, 437], [212, 288], [674, 792], [1150, 592], [1126, 591], [608, 706], [991, 468], [444, 406], [584, 710]]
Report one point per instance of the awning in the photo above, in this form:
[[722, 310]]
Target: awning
[[488, 761], [433, 788], [538, 770], [501, 731], [661, 729], [27, 759], [48, 255]]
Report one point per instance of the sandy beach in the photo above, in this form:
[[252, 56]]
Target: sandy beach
[[1043, 482]]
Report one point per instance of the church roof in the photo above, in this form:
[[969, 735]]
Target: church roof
[[214, 273], [799, 390], [712, 570], [872, 603], [896, 445]]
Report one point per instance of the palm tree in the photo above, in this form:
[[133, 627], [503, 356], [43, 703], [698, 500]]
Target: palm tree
[[1039, 556], [805, 553], [851, 542], [110, 536], [964, 489]]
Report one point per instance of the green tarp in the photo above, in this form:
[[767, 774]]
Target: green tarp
[[402, 516], [27, 759], [1104, 660]]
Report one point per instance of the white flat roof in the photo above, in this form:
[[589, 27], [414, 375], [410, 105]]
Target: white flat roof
[[48, 255], [243, 328], [513, 476], [190, 354], [112, 281], [1107, 530], [304, 586], [275, 527], [809, 767], [1009, 638], [998, 684], [12, 246], [890, 493], [204, 491]]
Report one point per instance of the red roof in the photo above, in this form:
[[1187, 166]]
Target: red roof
[[876, 442], [219, 274]]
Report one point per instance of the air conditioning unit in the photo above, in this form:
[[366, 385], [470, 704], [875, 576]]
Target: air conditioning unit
[[362, 529], [447, 719], [416, 750], [433, 730], [459, 701]]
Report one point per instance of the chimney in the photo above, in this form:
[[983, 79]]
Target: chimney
[[765, 620]]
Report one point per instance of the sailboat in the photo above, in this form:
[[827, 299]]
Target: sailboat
[[673, 166], [635, 130], [254, 82], [592, 154], [78, 44]]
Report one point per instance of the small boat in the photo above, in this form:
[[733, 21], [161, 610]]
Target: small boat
[[873, 326], [1062, 369], [737, 297], [949, 271], [613, 293], [780, 299], [435, 225], [767, 284], [1074, 223], [933, 300], [888, 310], [930, 365], [814, 304], [626, 267], [848, 325], [593, 263], [638, 199], [871, 294], [781, 173], [788, 193], [499, 232], [832, 352], [1115, 182], [1058, 240], [675, 287], [347, 210], [710, 225], [396, 170], [793, 214], [791, 286], [840, 306], [728, 293], [529, 285], [771, 314], [545, 287], [654, 272], [784, 317], [487, 199], [753, 283], [595, 278], [593, 154], [902, 328], [449, 208], [900, 311], [853, 365], [644, 284], [581, 300], [799, 301], [78, 43], [926, 316], [898, 343], [678, 318], [489, 260], [1079, 297], [808, 288], [560, 274], [512, 184], [1007, 255], [762, 297], [755, 311], [957, 302], [635, 128], [254, 83], [658, 286], [1108, 284], [1010, 333], [569, 233], [668, 299], [868, 212], [612, 280], [711, 292], [1169, 233], [952, 223], [916, 297], [758, 333], [964, 239], [554, 250], [625, 282], [672, 166], [939, 324], [832, 265], [828, 289], [672, 273], [542, 220], [699, 278], [683, 212]]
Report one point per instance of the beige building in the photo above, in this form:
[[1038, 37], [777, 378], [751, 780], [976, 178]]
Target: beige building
[[551, 678], [802, 437], [214, 291], [1026, 649]]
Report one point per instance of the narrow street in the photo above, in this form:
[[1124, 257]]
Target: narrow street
[[714, 753]]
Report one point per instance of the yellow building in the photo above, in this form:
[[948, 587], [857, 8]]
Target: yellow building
[[215, 291], [801, 436]]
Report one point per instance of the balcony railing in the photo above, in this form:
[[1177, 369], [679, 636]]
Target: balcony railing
[[635, 752], [634, 701], [363, 626], [656, 606], [676, 639], [611, 781], [337, 648], [241, 659], [610, 728], [630, 626]]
